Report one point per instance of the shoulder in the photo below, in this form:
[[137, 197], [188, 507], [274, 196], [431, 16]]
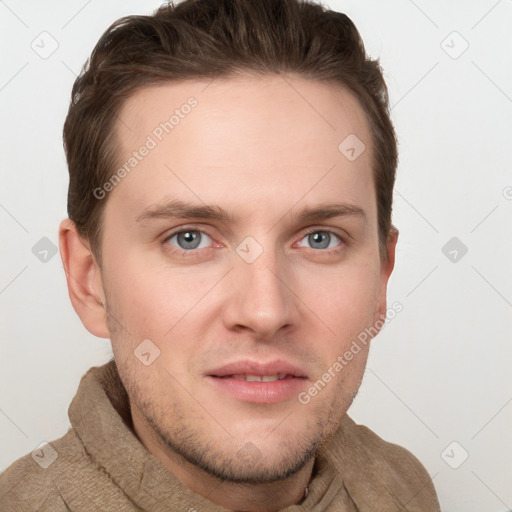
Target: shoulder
[[33, 482], [390, 470]]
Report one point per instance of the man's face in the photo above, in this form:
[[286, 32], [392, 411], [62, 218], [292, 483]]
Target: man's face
[[264, 288]]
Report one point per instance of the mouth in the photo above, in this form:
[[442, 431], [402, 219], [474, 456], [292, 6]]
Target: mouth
[[258, 378], [275, 370], [263, 383]]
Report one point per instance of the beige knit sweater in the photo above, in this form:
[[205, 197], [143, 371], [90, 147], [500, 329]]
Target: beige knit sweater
[[101, 465]]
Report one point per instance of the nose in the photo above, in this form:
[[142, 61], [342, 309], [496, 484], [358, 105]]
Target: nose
[[261, 299]]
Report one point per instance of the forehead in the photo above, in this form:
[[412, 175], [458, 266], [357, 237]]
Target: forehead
[[318, 112], [252, 135]]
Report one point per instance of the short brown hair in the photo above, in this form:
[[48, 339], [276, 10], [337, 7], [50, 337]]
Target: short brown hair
[[215, 38]]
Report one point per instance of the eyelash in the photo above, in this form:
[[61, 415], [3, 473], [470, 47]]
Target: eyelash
[[196, 252]]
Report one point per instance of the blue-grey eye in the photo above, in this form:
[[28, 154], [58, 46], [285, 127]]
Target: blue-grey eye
[[321, 240], [190, 239]]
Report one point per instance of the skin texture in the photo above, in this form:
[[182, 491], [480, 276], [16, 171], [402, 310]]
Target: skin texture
[[256, 148]]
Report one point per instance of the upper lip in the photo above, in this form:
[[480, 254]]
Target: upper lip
[[248, 367]]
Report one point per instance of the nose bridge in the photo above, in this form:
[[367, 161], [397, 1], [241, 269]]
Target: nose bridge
[[261, 300]]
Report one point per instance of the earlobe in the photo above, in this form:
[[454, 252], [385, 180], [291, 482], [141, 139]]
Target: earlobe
[[83, 278]]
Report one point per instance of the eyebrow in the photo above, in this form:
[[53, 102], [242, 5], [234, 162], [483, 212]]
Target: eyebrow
[[180, 209]]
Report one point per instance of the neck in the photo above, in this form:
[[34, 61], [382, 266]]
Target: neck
[[268, 497], [246, 497]]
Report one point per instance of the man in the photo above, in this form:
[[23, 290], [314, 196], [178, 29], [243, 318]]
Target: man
[[231, 172]]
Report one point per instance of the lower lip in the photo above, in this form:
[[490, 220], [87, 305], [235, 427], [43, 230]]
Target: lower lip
[[259, 392]]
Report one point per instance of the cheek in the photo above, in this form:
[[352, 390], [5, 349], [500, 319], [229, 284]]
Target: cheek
[[153, 299], [345, 298]]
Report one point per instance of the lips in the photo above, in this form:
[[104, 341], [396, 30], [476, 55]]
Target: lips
[[252, 370], [260, 383]]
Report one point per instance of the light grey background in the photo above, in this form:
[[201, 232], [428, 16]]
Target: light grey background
[[440, 371]]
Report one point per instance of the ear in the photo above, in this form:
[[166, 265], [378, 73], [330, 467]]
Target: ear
[[386, 268], [83, 278]]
